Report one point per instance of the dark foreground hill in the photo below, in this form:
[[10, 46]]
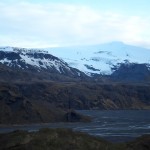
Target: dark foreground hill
[[65, 139]]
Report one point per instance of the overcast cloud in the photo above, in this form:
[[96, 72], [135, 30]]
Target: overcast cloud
[[26, 24]]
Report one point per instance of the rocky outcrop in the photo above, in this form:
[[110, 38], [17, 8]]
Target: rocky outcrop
[[131, 72]]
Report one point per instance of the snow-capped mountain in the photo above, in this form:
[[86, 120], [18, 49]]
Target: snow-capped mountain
[[103, 58], [35, 60], [116, 59]]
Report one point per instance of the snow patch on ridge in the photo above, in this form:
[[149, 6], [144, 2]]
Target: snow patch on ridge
[[40, 59]]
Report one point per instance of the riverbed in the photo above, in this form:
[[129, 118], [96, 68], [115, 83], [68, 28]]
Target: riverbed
[[115, 126]]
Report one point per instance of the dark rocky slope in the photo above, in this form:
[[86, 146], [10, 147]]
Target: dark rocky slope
[[27, 103], [50, 101], [131, 72]]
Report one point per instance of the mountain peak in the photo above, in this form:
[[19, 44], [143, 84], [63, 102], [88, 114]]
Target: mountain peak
[[100, 59], [117, 43]]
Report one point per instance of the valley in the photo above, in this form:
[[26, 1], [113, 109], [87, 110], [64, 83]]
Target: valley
[[38, 89], [36, 86]]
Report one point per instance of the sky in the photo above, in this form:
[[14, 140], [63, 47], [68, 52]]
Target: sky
[[57, 23]]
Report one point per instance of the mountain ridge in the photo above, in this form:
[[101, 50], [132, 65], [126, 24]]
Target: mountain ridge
[[36, 60], [110, 61]]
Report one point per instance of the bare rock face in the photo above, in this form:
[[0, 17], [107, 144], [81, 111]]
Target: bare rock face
[[32, 102], [131, 73]]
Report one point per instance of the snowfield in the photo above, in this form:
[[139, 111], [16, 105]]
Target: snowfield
[[100, 59]]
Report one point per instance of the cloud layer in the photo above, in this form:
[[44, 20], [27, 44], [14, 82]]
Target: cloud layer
[[55, 24]]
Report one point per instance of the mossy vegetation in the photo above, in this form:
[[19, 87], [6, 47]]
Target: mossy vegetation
[[65, 139]]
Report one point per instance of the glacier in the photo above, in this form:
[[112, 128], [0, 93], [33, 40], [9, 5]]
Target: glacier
[[101, 59]]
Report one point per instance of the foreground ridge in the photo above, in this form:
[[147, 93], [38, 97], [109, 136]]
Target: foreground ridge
[[55, 139]]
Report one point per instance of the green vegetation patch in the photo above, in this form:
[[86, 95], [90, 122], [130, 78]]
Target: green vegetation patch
[[65, 139]]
